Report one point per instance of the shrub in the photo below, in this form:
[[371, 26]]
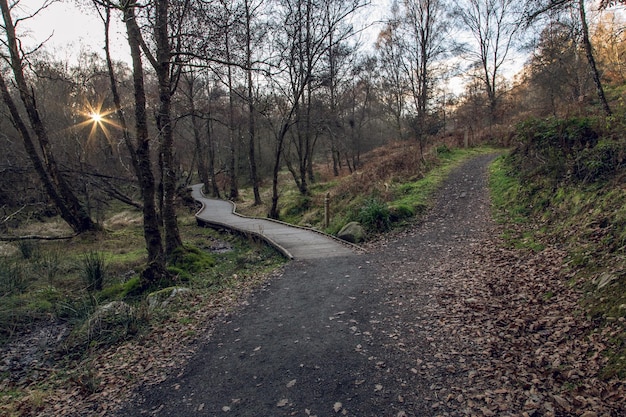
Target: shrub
[[600, 162], [299, 205], [572, 150], [28, 248], [401, 212], [48, 264], [443, 150], [375, 216]]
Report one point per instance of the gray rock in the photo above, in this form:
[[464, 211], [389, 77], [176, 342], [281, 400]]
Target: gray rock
[[109, 323], [352, 232], [110, 315], [163, 297]]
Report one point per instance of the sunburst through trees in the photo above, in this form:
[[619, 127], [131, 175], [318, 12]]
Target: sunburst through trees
[[99, 120]]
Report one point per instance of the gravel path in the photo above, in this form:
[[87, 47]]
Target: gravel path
[[354, 335]]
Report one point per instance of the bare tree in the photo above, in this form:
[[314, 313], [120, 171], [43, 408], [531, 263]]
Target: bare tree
[[193, 91], [167, 69], [250, 10], [391, 54], [59, 190], [302, 40], [140, 151], [493, 25], [428, 28]]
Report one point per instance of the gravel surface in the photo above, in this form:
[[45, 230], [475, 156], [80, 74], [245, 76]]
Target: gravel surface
[[440, 319], [330, 336]]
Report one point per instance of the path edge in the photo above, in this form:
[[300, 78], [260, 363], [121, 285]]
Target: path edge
[[280, 248]]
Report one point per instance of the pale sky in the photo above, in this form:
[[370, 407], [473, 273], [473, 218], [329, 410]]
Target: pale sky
[[74, 26], [71, 30]]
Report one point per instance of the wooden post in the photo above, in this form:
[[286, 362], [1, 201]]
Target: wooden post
[[327, 210]]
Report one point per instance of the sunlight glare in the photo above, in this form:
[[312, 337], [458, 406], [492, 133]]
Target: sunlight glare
[[96, 121], [96, 117]]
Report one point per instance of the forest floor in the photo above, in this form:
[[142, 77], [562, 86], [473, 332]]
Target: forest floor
[[440, 319]]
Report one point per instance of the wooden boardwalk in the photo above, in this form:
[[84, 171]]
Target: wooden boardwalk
[[294, 242]]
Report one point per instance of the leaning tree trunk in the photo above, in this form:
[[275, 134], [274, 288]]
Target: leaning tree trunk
[[57, 187], [592, 62]]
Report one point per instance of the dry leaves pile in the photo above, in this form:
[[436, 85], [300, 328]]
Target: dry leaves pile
[[499, 332]]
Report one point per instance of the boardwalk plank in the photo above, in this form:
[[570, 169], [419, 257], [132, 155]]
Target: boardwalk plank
[[294, 242]]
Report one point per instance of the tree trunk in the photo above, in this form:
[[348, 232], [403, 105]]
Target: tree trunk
[[234, 188], [592, 62], [254, 177], [70, 207], [280, 140], [203, 174], [215, 189], [152, 235], [164, 124]]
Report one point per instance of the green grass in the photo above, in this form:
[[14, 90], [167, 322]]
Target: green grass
[[588, 220], [413, 198], [55, 279]]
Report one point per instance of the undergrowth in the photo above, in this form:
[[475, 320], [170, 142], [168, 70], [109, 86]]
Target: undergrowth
[[393, 186], [564, 186]]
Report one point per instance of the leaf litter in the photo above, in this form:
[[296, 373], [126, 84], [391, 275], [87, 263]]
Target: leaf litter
[[484, 330], [498, 332]]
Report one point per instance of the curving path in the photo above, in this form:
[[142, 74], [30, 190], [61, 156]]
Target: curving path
[[292, 241], [353, 336]]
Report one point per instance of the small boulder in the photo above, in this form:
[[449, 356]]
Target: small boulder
[[163, 297], [107, 324], [111, 314], [352, 232]]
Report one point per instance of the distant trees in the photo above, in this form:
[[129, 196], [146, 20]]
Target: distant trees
[[557, 75], [493, 24], [390, 53], [235, 93], [538, 8], [428, 27], [609, 39], [34, 132]]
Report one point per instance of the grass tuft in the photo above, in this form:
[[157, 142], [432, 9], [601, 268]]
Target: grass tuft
[[93, 270]]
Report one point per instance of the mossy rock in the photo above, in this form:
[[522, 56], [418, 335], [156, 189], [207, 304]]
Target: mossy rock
[[161, 298], [107, 325], [191, 259], [352, 232]]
